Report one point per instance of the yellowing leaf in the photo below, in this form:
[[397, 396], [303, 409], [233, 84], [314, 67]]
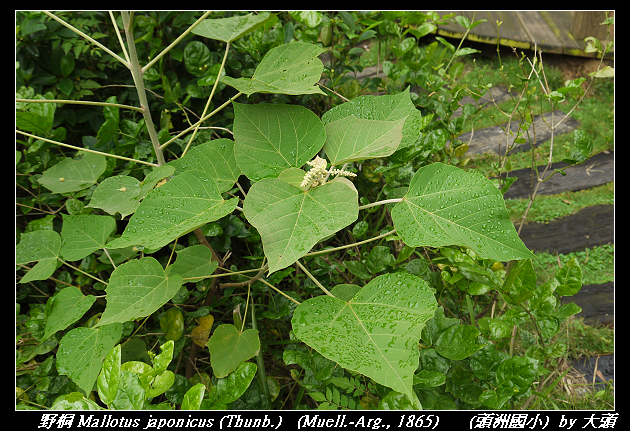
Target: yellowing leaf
[[201, 333]]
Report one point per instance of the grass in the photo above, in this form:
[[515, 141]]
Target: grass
[[563, 388]]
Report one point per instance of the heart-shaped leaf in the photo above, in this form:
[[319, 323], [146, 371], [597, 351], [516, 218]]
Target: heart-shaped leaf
[[68, 306], [82, 350], [186, 202], [117, 194], [291, 221], [448, 206], [229, 29], [376, 333], [40, 245], [292, 68], [351, 139], [384, 108], [71, 175], [272, 138], [136, 289], [229, 348], [215, 158], [84, 234]]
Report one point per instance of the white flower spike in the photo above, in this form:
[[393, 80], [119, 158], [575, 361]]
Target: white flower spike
[[318, 174]]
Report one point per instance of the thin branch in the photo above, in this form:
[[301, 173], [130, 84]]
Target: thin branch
[[86, 149], [175, 42], [314, 279], [329, 250], [165, 144], [205, 109], [80, 33], [79, 102]]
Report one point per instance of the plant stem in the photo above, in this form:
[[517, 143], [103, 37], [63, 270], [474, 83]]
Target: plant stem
[[175, 42], [262, 376], [383, 202], [136, 72], [165, 144], [87, 150], [78, 102], [205, 109], [314, 279], [80, 33], [329, 250]]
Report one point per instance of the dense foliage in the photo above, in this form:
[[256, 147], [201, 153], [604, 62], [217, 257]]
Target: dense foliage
[[253, 227]]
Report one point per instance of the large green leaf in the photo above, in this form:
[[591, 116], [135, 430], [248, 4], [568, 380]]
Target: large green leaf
[[84, 234], [108, 380], [292, 68], [184, 203], [71, 175], [271, 138], [376, 333], [136, 289], [448, 206], [383, 108], [81, 353], [291, 221], [229, 348], [215, 158], [351, 139], [68, 306], [229, 29]]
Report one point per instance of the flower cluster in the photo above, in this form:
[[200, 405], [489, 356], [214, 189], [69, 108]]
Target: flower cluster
[[318, 174]]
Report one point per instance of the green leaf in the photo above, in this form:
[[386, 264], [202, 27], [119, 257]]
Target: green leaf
[[108, 380], [137, 289], [215, 158], [84, 234], [605, 72], [382, 108], [376, 333], [68, 306], [38, 245], [192, 398], [458, 342], [193, 261], [230, 29], [42, 246], [131, 394], [448, 206], [197, 57], [117, 195], [569, 278], [71, 175], [35, 117], [229, 348], [230, 388], [352, 139], [514, 376], [291, 221], [172, 323], [184, 203], [292, 68], [82, 351], [75, 401], [520, 283], [271, 138]]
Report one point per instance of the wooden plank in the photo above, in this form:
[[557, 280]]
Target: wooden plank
[[487, 140], [485, 32], [539, 32], [597, 171], [560, 23], [511, 31]]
